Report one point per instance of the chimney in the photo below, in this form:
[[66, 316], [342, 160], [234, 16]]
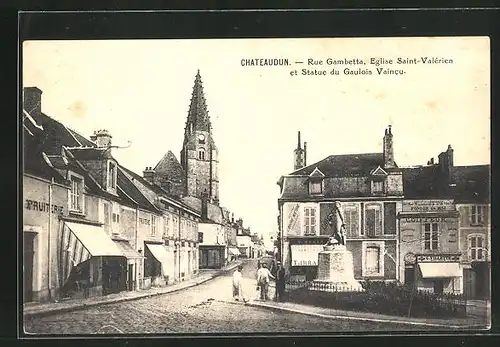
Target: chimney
[[305, 153], [32, 100], [204, 203], [388, 149], [102, 138], [299, 155], [232, 217], [149, 174]]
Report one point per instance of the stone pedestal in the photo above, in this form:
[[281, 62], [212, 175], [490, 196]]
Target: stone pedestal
[[335, 268]]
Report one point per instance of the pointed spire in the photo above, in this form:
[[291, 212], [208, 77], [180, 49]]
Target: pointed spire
[[198, 118]]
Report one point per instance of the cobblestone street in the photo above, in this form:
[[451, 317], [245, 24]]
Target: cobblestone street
[[199, 309]]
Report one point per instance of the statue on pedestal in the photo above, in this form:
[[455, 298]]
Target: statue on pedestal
[[336, 221]]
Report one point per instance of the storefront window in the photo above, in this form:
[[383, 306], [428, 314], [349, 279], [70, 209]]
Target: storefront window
[[431, 236]]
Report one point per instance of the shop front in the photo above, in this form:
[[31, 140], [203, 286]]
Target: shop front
[[212, 257], [134, 261], [303, 260], [90, 262], [156, 265], [435, 273]]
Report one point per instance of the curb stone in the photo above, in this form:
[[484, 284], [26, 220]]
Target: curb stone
[[118, 300], [379, 320]]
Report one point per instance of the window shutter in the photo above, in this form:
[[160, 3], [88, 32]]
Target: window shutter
[[370, 222], [355, 221], [378, 222], [465, 218], [390, 218]]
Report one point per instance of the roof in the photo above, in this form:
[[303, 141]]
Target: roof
[[170, 166], [156, 189], [353, 165], [129, 191], [468, 183], [89, 153]]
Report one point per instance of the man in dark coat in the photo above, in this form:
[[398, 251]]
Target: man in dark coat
[[280, 282]]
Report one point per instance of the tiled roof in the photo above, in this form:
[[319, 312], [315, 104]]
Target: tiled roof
[[129, 190], [468, 183], [170, 166], [345, 165], [473, 183], [82, 139], [156, 189], [89, 153]]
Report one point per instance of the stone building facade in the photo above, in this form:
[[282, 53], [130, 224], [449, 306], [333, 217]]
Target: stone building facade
[[370, 189]]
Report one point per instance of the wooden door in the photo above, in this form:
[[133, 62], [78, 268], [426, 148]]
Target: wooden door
[[28, 259]]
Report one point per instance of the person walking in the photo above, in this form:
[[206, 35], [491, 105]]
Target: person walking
[[237, 295], [280, 282], [263, 278]]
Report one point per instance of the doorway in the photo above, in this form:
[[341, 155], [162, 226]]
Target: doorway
[[409, 276], [130, 277], [438, 286], [28, 262]]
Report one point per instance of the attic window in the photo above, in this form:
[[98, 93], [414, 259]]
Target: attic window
[[201, 154], [316, 186]]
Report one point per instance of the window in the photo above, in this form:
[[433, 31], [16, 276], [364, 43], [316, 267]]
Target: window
[[76, 194], [377, 187], [153, 225], [116, 218], [431, 236], [477, 215], [373, 220], [309, 221], [183, 228], [351, 217], [315, 187], [111, 175], [476, 247], [201, 154], [106, 214], [372, 260], [175, 226], [200, 237], [166, 225]]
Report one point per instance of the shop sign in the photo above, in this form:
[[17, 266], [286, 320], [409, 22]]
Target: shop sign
[[144, 221], [305, 263], [42, 206], [428, 205], [428, 219], [438, 258], [293, 218]]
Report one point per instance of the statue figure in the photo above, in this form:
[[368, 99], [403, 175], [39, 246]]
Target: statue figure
[[336, 220]]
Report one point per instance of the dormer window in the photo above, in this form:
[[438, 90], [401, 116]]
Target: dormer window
[[111, 177], [76, 198], [316, 182], [316, 187], [377, 187]]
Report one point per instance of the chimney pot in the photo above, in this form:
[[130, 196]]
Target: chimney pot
[[32, 100], [102, 138]]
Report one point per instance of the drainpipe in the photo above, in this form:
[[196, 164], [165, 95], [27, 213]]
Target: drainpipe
[[49, 235], [398, 247], [137, 247], [179, 243]]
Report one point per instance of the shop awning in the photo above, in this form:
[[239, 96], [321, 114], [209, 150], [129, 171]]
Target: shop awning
[[127, 249], [234, 251], [305, 255], [160, 253], [440, 270], [95, 240], [79, 242]]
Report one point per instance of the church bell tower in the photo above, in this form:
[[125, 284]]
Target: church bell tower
[[199, 155]]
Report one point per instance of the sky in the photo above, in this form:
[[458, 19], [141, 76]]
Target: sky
[[140, 91]]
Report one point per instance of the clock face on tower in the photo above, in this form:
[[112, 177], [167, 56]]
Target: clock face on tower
[[201, 137]]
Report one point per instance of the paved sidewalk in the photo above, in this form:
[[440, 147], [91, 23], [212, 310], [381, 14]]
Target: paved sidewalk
[[476, 323], [39, 309]]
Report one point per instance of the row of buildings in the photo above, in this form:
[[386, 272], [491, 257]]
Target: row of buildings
[[88, 218], [427, 226]]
